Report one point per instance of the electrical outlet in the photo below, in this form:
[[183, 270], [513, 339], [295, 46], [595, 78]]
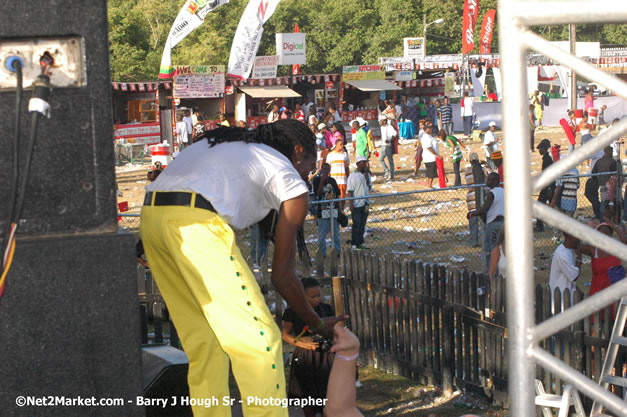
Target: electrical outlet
[[68, 69]]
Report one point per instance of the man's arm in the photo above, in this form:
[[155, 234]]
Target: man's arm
[[489, 199], [555, 196], [291, 218]]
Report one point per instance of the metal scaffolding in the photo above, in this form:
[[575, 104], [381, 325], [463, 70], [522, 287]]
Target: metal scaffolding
[[515, 17]]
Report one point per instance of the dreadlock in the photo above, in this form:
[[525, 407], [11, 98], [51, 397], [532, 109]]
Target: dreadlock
[[282, 135]]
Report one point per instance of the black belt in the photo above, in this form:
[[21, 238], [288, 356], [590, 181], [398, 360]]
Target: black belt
[[179, 198]]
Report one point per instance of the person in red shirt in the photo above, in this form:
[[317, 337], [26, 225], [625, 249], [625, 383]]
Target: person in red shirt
[[492, 96], [299, 114]]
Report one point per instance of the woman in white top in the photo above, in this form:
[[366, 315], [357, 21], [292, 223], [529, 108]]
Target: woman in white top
[[231, 178]]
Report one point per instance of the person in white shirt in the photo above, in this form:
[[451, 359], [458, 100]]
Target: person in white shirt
[[274, 114], [358, 185], [388, 136], [430, 152], [565, 269], [190, 125], [231, 178], [490, 144], [467, 114], [181, 133], [494, 211]]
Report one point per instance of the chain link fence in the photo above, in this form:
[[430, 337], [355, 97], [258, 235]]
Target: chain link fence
[[426, 225]]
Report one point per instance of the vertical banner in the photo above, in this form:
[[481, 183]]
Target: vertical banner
[[471, 10], [248, 36], [486, 32], [295, 67], [189, 18]]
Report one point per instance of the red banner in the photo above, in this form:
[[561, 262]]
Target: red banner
[[471, 10], [486, 32], [296, 68]]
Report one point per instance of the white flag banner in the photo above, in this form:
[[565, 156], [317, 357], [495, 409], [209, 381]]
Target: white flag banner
[[248, 36], [189, 18]]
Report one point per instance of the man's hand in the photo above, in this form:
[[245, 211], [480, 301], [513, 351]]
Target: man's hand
[[329, 322]]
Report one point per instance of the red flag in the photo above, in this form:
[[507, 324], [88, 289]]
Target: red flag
[[486, 32], [296, 68], [471, 10]]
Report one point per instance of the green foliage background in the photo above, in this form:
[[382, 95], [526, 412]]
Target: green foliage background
[[339, 32]]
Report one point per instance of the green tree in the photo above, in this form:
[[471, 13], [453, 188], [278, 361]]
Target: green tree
[[339, 33]]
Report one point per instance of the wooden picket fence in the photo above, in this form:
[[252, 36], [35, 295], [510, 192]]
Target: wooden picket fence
[[448, 327], [433, 325]]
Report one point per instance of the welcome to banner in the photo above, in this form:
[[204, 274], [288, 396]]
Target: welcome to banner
[[248, 36], [189, 18]]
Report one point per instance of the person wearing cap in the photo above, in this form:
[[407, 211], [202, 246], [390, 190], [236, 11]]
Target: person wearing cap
[[546, 194], [388, 136], [494, 211], [490, 144], [475, 175], [497, 160], [430, 152], [326, 133], [358, 185]]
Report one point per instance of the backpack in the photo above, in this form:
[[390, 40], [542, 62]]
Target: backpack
[[545, 99]]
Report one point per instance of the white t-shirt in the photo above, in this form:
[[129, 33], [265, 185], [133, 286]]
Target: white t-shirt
[[387, 133], [564, 273], [273, 117], [490, 137], [427, 142], [358, 185], [181, 132], [338, 161], [467, 107], [337, 117], [242, 181], [498, 205], [312, 119]]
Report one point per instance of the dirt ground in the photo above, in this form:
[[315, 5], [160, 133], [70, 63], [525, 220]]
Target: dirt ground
[[429, 226]]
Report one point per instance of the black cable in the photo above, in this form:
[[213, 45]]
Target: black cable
[[17, 65], [42, 90]]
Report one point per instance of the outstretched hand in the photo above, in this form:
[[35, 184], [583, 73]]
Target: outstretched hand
[[344, 341]]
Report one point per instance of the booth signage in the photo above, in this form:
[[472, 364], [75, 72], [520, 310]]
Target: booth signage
[[265, 67], [363, 72], [199, 81], [291, 48], [404, 75], [414, 47]]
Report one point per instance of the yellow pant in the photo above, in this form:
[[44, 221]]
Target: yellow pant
[[217, 308]]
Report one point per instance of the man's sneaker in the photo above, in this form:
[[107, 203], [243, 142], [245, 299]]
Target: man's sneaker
[[363, 247], [354, 247]]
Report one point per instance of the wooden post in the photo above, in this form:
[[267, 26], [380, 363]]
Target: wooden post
[[338, 297]]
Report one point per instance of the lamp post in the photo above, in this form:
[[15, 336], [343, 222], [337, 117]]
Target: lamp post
[[424, 30]]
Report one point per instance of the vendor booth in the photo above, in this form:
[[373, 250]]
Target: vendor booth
[[254, 102], [200, 89], [135, 111]]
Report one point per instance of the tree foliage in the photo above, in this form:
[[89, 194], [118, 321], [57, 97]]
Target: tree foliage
[[339, 32]]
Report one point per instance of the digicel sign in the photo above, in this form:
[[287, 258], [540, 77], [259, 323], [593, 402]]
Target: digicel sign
[[291, 48]]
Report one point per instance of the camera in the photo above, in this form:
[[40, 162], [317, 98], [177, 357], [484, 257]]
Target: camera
[[324, 345]]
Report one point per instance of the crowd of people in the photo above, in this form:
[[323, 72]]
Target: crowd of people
[[188, 240]]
